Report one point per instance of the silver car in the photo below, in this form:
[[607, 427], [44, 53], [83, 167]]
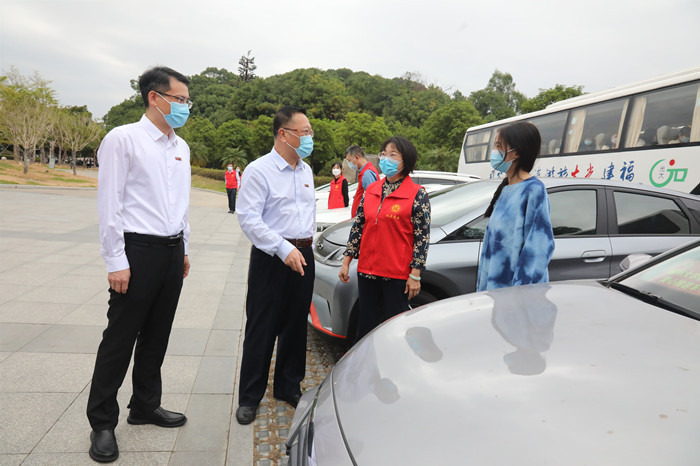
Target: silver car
[[596, 224], [576, 372]]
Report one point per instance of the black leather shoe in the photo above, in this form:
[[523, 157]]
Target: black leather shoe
[[291, 399], [159, 416], [246, 414], [103, 448]]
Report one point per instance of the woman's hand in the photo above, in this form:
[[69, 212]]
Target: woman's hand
[[412, 288], [344, 273]]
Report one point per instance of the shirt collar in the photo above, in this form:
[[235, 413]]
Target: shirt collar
[[282, 164], [153, 131]]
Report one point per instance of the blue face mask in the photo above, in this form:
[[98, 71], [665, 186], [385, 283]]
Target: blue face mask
[[389, 166], [498, 163], [352, 166], [685, 139], [306, 145], [178, 114]]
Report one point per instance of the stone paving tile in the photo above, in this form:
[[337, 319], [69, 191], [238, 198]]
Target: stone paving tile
[[275, 417]]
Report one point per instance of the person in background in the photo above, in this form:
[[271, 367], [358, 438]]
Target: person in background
[[232, 182], [389, 237], [143, 199], [277, 212], [684, 135], [366, 173], [518, 243], [338, 195]]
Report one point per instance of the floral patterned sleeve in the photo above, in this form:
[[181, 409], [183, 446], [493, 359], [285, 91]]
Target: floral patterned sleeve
[[420, 217], [353, 246]]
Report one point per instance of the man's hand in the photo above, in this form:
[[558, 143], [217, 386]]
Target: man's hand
[[119, 280], [296, 261], [187, 267]]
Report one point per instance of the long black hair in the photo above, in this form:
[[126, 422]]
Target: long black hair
[[525, 138]]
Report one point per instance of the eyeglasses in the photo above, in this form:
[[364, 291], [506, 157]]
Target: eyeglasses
[[305, 132], [394, 155], [179, 100]]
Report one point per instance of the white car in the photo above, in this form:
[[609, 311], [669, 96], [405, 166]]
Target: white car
[[430, 180]]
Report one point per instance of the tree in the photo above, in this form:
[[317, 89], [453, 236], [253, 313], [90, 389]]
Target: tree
[[499, 99], [246, 71], [232, 134], [445, 128], [234, 156], [549, 96], [25, 111], [200, 135], [79, 131], [364, 130]]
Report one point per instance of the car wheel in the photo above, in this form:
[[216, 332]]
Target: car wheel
[[422, 298]]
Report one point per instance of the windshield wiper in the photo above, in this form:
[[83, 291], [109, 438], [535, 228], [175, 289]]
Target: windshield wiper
[[651, 298]]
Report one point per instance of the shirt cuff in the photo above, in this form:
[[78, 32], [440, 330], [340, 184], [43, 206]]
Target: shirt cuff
[[284, 249], [115, 264]]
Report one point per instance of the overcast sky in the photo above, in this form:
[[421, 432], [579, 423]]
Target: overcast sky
[[90, 49]]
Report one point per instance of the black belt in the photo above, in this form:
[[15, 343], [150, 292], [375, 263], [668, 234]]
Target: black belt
[[301, 243], [153, 239]]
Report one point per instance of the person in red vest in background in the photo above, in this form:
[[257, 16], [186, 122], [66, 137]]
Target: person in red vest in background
[[233, 180], [366, 175], [389, 238], [338, 195]]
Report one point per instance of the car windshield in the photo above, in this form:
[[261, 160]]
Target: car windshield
[[674, 281], [452, 203]]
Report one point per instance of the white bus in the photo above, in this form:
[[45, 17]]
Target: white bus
[[647, 132]]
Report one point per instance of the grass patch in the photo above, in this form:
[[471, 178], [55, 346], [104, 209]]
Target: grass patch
[[199, 181], [40, 175]]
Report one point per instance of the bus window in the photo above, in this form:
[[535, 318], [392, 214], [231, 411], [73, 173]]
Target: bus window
[[476, 146], [665, 117], [596, 127], [551, 129]]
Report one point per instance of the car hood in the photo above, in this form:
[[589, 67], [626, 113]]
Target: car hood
[[566, 373]]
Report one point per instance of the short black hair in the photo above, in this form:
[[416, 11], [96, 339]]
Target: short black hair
[[355, 150], [406, 149], [283, 116], [158, 79], [337, 164]]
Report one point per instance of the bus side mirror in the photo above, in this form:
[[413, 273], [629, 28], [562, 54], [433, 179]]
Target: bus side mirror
[[633, 260]]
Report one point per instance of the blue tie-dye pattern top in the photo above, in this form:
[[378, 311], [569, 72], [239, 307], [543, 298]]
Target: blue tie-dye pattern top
[[518, 242]]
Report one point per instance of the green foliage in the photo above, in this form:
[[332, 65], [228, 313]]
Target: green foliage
[[233, 155], [261, 139], [364, 130], [234, 134], [325, 148], [320, 180], [214, 174], [129, 111], [445, 128], [499, 99], [549, 96], [438, 159]]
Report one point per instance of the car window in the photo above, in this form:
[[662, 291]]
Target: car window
[[675, 280], [574, 212], [472, 230], [423, 180], [450, 204], [648, 215]]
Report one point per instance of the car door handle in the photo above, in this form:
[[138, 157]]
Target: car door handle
[[591, 257]]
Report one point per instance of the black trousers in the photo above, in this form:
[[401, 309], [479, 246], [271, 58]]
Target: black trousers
[[277, 306], [231, 192], [144, 316], [379, 300]]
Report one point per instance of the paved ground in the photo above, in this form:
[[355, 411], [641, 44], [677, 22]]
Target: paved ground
[[53, 303]]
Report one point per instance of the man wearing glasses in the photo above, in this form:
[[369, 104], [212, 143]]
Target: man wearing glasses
[[277, 212], [143, 203]]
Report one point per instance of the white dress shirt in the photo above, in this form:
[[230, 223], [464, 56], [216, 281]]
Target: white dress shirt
[[143, 187], [276, 202]]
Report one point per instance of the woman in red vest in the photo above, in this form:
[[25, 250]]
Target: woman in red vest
[[389, 238], [338, 196]]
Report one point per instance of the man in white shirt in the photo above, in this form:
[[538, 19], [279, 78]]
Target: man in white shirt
[[143, 204], [277, 211]]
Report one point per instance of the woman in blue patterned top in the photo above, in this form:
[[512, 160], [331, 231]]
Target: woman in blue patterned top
[[518, 242]]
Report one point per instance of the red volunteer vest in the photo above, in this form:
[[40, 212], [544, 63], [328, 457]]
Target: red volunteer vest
[[360, 190], [231, 180], [386, 248], [335, 197]]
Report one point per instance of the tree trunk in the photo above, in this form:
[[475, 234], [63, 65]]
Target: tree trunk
[[73, 162], [42, 152], [27, 152]]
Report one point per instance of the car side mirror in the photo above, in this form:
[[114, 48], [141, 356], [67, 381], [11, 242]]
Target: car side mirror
[[633, 260]]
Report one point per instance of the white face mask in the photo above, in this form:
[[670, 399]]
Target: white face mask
[[230, 169], [336, 171]]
